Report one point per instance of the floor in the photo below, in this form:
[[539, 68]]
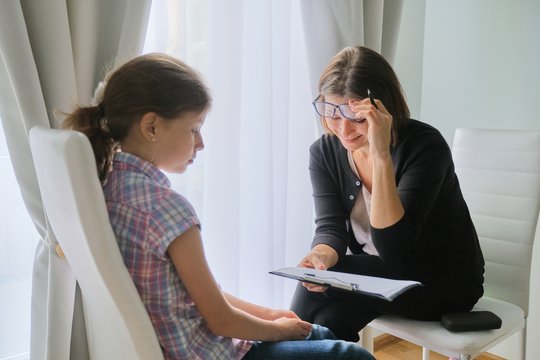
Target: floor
[[392, 348]]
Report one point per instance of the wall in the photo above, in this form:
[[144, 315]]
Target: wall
[[480, 69], [480, 64], [474, 64]]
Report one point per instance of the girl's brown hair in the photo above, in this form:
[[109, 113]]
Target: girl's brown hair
[[354, 70], [155, 83]]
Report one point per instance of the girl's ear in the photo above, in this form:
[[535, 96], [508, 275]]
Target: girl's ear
[[149, 126]]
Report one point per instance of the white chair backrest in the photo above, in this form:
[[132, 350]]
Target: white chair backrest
[[499, 173], [117, 324]]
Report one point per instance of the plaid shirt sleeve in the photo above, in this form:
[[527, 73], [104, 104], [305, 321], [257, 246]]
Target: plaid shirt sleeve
[[171, 216]]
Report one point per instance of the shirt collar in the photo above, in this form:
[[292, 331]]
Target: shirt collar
[[129, 162]]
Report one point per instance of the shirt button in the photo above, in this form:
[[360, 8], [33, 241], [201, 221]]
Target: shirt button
[[351, 197], [358, 183]]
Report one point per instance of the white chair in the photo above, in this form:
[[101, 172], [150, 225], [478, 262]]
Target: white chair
[[117, 324], [499, 173]]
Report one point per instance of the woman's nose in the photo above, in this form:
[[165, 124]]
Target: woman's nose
[[345, 126]]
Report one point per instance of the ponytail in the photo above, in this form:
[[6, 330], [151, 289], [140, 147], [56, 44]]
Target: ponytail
[[91, 122]]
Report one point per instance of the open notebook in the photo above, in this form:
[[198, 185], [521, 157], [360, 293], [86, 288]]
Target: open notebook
[[383, 288]]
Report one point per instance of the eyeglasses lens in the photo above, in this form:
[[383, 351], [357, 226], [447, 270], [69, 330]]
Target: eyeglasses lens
[[347, 112], [329, 110], [322, 109]]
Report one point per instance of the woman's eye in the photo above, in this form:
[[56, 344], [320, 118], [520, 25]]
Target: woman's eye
[[358, 120]]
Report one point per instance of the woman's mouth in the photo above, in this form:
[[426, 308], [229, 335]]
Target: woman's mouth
[[351, 139]]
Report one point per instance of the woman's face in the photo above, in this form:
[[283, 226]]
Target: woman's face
[[351, 133]]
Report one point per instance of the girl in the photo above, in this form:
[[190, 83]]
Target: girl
[[147, 118]]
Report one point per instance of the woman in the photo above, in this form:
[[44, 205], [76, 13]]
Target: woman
[[387, 202]]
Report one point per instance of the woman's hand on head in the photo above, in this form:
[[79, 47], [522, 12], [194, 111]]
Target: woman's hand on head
[[292, 328], [379, 124], [320, 257]]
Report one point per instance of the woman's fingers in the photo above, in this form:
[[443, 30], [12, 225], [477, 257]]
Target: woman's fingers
[[314, 288], [317, 262], [379, 122]]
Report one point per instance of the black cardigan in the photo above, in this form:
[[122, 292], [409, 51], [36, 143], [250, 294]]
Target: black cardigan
[[435, 236]]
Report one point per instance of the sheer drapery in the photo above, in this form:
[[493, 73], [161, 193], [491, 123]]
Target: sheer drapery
[[52, 55], [257, 195], [265, 58]]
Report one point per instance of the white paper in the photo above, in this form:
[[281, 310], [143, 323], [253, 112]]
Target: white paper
[[376, 286]]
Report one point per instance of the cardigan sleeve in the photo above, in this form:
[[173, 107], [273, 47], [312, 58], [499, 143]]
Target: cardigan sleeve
[[330, 215], [424, 167]]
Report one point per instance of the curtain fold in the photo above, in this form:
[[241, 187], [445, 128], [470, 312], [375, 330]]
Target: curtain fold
[[52, 55], [390, 33], [84, 34], [329, 26]]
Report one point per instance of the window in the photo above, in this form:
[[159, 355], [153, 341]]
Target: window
[[18, 240]]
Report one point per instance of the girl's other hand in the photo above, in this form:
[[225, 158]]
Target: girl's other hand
[[279, 313], [292, 329]]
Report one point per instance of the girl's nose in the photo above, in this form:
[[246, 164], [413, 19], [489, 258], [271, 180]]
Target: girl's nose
[[200, 143]]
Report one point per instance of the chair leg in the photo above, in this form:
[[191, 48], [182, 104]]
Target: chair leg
[[425, 353], [522, 338], [366, 338]]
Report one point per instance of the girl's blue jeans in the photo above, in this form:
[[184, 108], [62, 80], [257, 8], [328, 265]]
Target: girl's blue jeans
[[320, 344]]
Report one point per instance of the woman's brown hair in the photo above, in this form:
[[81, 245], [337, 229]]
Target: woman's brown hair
[[354, 70], [155, 83]]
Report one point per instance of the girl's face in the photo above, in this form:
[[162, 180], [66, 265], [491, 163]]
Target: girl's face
[[179, 142], [352, 134]]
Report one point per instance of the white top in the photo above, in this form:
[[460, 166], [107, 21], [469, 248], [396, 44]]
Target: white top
[[360, 215]]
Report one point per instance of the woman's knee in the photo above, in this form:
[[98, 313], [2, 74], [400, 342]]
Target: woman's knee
[[306, 304], [345, 320], [319, 332]]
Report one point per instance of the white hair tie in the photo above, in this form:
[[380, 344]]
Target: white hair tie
[[98, 94]]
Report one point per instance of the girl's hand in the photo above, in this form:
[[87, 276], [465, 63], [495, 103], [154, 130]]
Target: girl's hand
[[292, 329], [379, 125], [274, 314], [320, 257]]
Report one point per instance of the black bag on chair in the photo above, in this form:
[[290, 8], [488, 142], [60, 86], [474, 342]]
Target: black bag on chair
[[471, 321]]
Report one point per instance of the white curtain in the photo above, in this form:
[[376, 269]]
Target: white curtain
[[265, 58], [52, 55], [257, 194]]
